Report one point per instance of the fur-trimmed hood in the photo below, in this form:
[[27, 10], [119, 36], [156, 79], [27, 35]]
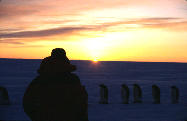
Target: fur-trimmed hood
[[50, 65]]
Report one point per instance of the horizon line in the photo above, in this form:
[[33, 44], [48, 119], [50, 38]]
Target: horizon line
[[100, 60]]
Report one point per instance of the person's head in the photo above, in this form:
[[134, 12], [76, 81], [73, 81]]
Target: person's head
[[59, 53]]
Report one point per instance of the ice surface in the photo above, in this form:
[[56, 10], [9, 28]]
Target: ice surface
[[15, 75]]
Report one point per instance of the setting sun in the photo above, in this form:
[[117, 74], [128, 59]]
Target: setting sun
[[95, 60]]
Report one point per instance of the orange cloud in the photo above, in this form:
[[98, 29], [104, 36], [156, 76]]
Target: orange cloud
[[173, 24], [43, 33]]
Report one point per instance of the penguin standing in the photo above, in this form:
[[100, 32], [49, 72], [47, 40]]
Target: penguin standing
[[174, 95], [137, 93], [103, 94], [125, 94], [4, 98], [156, 94]]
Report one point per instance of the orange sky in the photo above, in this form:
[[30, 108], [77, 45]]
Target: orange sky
[[108, 30]]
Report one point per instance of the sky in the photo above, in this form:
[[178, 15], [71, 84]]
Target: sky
[[103, 30]]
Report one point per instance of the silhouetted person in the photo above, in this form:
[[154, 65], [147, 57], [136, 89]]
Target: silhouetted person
[[156, 94], [125, 94], [137, 93], [56, 94]]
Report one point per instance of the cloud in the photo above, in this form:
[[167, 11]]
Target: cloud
[[33, 14], [17, 43], [10, 11], [171, 24], [44, 33], [28, 46], [60, 8], [142, 21], [29, 8], [11, 41]]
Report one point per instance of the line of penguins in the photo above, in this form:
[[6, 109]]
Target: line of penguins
[[137, 94]]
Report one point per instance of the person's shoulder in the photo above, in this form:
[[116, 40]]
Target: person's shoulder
[[46, 59], [38, 80], [74, 77]]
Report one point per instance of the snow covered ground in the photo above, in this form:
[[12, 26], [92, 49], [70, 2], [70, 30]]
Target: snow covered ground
[[15, 75]]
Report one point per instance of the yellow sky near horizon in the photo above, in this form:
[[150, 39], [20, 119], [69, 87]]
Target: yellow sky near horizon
[[107, 30]]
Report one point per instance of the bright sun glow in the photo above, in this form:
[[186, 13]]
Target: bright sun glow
[[99, 47], [95, 48], [95, 60]]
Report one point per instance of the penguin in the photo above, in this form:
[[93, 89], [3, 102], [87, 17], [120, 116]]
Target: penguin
[[156, 94], [125, 94], [174, 95], [103, 94], [4, 98], [137, 93]]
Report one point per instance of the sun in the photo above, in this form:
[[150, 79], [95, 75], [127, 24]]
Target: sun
[[95, 48], [95, 60], [100, 47]]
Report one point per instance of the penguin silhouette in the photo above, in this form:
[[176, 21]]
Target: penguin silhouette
[[174, 95], [4, 98], [103, 94], [156, 94], [137, 93], [125, 94]]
